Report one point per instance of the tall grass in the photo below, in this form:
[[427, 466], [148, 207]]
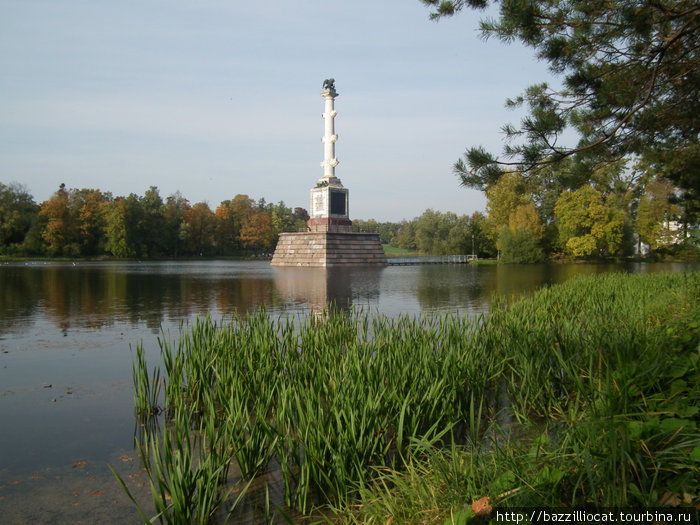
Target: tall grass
[[591, 381], [601, 377]]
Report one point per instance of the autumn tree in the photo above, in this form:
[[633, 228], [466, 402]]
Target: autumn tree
[[198, 229], [90, 206], [257, 234], [231, 216], [61, 230], [588, 225], [519, 241], [630, 77], [503, 198], [513, 223]]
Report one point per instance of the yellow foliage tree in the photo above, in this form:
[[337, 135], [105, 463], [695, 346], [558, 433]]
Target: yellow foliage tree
[[587, 224]]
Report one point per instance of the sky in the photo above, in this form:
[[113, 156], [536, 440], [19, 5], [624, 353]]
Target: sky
[[214, 98]]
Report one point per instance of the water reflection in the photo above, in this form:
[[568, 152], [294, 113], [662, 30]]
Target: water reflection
[[98, 295], [319, 288], [95, 295]]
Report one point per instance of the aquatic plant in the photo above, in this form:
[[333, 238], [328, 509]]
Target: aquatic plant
[[545, 401]]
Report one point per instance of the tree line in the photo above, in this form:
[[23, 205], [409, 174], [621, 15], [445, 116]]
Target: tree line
[[92, 223], [619, 211]]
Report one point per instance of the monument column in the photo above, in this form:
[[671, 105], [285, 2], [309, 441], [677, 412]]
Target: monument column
[[329, 240], [329, 138], [329, 209]]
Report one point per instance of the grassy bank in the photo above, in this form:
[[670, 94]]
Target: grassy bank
[[586, 393]]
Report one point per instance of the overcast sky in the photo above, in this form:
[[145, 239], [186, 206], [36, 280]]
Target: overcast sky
[[215, 98]]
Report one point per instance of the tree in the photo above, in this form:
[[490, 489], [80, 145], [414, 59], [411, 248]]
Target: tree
[[257, 234], [300, 214], [198, 229], [520, 245], [406, 235], [91, 219], [231, 217], [630, 86], [152, 223], [18, 213], [656, 215], [282, 219], [503, 197], [520, 241], [174, 217], [587, 224], [61, 230], [117, 231], [482, 246], [136, 225], [509, 204], [430, 233]]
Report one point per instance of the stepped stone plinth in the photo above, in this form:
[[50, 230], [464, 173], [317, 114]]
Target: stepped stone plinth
[[329, 249]]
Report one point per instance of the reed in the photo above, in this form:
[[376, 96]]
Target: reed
[[546, 400], [601, 381], [147, 387]]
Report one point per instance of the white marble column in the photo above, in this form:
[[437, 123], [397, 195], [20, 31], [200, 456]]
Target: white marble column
[[329, 139]]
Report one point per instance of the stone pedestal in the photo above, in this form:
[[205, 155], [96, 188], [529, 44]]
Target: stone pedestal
[[329, 210], [328, 250]]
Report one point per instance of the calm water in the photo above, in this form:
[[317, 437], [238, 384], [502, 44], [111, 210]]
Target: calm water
[[67, 332]]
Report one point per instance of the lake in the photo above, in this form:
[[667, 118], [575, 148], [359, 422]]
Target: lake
[[68, 332]]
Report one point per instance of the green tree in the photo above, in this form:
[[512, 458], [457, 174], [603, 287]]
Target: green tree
[[430, 232], [587, 224], [520, 245], [387, 230], [18, 213], [630, 81], [300, 218], [657, 215], [520, 241], [152, 223], [173, 219], [136, 225], [439, 233], [406, 235], [479, 241], [117, 231], [282, 219]]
